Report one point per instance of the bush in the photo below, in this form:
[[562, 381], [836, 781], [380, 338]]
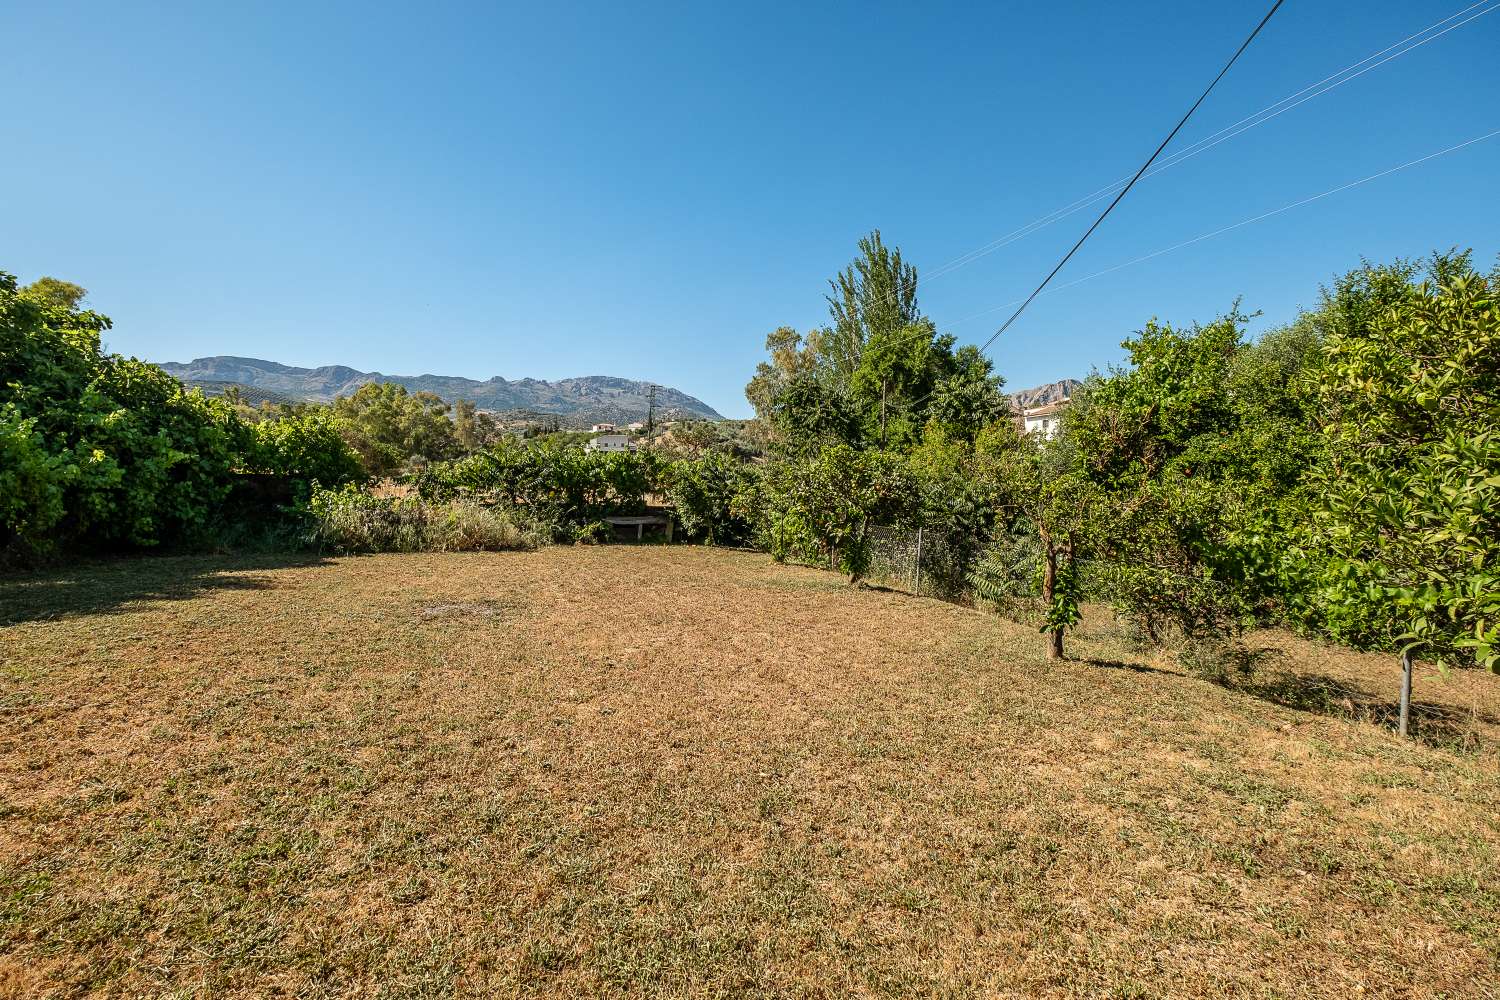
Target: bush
[[101, 450], [351, 520], [1008, 574], [704, 493], [564, 489], [306, 448], [821, 509], [31, 480]]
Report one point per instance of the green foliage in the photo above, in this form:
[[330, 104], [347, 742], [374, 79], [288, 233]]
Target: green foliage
[[966, 395], [872, 299], [107, 450], [306, 448], [351, 520], [563, 488], [956, 503], [32, 480], [1407, 521], [1197, 450], [55, 293], [395, 430], [708, 495], [1009, 572], [821, 509], [1037, 488], [810, 414], [880, 374]]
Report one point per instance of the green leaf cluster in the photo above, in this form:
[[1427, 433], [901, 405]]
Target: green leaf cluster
[[1406, 530]]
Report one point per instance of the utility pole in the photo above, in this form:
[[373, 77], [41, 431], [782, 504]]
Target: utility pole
[[650, 415]]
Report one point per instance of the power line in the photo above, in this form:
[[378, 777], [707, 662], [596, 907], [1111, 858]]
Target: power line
[[1144, 166], [1245, 222], [1343, 76], [1228, 132], [1124, 191]]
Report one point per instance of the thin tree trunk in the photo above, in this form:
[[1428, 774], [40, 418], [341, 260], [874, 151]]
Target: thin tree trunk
[[1049, 589], [1406, 670], [882, 412]]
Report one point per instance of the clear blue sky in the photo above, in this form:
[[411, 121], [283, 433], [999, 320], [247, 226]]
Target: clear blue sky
[[550, 190]]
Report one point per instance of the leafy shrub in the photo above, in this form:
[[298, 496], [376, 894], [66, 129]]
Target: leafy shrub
[[564, 489], [31, 480], [307, 448], [106, 450], [1008, 574], [1407, 521], [704, 493], [351, 520], [821, 509]]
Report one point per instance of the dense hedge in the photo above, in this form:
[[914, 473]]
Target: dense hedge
[[98, 451]]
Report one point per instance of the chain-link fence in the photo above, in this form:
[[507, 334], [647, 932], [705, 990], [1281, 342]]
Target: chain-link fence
[[926, 561]]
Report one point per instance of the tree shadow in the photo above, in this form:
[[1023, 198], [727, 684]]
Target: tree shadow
[[1135, 668], [1433, 724], [109, 586]]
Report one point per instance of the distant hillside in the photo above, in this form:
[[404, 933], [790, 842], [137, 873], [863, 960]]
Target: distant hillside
[[1044, 394], [590, 399], [248, 393]]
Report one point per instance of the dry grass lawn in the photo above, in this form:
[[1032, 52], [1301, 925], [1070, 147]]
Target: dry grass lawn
[[688, 772]]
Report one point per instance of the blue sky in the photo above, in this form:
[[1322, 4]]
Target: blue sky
[[550, 190]]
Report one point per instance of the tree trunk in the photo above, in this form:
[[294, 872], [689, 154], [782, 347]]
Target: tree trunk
[[1049, 589], [1406, 669], [882, 412]]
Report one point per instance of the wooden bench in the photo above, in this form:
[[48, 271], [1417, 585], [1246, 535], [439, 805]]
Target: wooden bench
[[640, 522]]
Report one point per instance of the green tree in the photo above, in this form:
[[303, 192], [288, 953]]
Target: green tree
[[791, 356], [809, 414], [393, 429], [967, 395], [879, 373], [307, 448], [473, 429], [823, 507], [108, 450], [56, 293], [707, 493], [1161, 443], [874, 297], [1038, 490], [1408, 513]]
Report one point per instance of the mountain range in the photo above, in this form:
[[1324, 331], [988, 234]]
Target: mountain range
[[589, 399], [1043, 394], [577, 401]]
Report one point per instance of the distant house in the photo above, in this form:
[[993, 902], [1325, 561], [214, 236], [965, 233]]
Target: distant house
[[1045, 420], [601, 428], [610, 442], [637, 426]]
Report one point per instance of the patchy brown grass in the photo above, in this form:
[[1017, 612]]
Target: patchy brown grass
[[598, 771]]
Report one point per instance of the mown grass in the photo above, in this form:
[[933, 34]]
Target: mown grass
[[675, 771]]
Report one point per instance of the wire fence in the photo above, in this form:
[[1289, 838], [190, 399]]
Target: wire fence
[[925, 561]]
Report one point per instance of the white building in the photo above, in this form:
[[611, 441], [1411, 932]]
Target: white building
[[1045, 420], [610, 442], [637, 426], [601, 428]]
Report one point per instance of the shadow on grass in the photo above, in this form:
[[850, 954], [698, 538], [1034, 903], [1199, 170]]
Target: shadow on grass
[[1446, 726], [111, 586], [1137, 668]]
